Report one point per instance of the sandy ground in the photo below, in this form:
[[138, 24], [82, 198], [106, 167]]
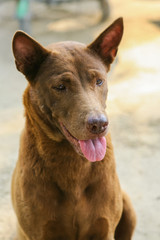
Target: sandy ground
[[133, 103]]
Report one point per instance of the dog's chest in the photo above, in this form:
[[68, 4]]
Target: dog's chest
[[69, 204], [69, 199], [74, 212]]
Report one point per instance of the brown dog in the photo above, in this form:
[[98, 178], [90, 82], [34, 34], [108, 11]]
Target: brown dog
[[65, 185]]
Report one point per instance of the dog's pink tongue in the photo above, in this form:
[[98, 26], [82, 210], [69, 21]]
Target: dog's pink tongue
[[93, 149]]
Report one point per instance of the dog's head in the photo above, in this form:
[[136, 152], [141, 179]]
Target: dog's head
[[68, 85]]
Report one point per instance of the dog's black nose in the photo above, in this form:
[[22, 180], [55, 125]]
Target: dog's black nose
[[97, 124]]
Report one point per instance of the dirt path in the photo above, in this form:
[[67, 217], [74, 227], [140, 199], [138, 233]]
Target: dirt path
[[133, 103]]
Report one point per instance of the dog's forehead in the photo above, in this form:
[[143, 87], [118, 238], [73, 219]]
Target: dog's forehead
[[75, 53]]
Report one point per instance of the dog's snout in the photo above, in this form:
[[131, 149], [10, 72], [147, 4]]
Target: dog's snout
[[97, 124]]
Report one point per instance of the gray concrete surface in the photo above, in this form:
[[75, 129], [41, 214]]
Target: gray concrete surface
[[133, 103]]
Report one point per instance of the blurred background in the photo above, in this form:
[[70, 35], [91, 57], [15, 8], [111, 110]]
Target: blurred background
[[134, 93]]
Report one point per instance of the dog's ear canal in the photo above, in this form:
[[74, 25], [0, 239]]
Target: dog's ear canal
[[106, 45], [28, 54]]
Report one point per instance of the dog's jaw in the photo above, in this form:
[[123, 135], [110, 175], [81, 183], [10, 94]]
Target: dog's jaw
[[92, 149], [74, 141]]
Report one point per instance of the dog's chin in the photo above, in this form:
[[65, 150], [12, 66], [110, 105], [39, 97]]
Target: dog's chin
[[93, 149]]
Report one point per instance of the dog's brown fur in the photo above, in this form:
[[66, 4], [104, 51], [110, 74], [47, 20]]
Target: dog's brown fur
[[58, 194]]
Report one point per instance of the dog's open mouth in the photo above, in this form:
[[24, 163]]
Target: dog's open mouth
[[92, 149]]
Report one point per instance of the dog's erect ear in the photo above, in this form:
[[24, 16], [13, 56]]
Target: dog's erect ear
[[106, 45], [28, 54]]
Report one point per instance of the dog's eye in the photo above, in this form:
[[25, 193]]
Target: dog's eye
[[99, 82], [61, 87]]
